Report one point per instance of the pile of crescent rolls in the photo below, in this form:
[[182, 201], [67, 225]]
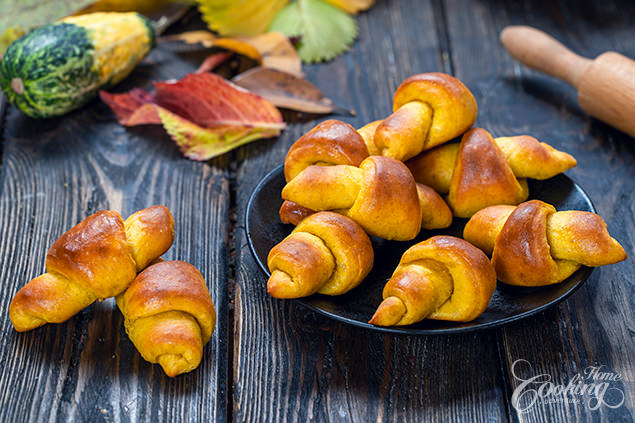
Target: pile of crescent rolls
[[389, 179], [168, 312], [395, 176]]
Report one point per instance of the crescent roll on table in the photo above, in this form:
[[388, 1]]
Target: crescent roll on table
[[169, 315], [482, 171], [326, 253], [534, 245], [380, 195], [429, 109], [442, 278], [333, 143], [96, 259]]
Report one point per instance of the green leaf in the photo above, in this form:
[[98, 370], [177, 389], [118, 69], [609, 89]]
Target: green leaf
[[25, 15], [325, 30]]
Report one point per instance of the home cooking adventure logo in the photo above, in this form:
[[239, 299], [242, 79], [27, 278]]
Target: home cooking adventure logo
[[595, 386]]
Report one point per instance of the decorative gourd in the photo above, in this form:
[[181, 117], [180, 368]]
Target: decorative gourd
[[60, 67]]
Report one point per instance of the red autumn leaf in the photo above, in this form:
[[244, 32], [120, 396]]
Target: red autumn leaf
[[203, 113], [136, 107]]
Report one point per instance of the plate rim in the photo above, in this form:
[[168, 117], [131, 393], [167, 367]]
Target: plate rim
[[396, 330]]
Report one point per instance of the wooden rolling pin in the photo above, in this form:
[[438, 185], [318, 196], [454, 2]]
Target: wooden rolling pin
[[606, 85]]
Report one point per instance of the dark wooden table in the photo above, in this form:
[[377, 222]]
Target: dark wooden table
[[274, 361]]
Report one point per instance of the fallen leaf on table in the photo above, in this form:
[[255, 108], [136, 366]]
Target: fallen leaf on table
[[198, 143], [271, 50], [9, 36], [352, 6], [202, 37], [214, 61], [277, 52], [203, 113], [20, 17], [136, 107], [325, 30], [239, 17], [286, 90]]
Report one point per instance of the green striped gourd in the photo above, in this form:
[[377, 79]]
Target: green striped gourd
[[59, 67]]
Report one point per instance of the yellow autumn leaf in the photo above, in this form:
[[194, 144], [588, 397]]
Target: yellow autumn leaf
[[352, 6], [271, 49], [239, 17]]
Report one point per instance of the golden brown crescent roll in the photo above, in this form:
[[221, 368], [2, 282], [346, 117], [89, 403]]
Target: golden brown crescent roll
[[334, 143], [381, 195], [96, 259], [331, 142], [169, 315], [428, 109], [482, 171], [534, 245], [326, 253], [435, 212], [442, 278]]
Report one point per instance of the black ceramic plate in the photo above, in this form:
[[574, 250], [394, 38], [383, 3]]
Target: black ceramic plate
[[356, 307]]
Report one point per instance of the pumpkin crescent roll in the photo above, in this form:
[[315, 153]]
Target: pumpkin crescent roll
[[331, 142], [442, 278], [435, 213], [334, 143], [326, 253], [169, 315], [380, 195], [428, 109], [482, 171], [534, 245], [96, 259]]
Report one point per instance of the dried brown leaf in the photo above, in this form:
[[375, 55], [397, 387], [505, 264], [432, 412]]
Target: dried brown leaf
[[287, 91]]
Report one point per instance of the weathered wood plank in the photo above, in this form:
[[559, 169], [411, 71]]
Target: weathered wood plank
[[55, 173], [294, 365], [595, 326]]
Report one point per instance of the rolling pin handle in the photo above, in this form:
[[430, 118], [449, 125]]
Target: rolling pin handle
[[544, 53]]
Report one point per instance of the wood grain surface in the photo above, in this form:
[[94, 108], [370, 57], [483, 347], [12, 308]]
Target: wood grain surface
[[54, 174], [595, 326], [274, 361]]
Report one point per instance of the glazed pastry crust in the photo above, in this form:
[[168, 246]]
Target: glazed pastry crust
[[429, 109], [534, 245], [435, 212], [380, 195], [442, 278], [482, 176], [95, 259], [326, 253], [481, 171], [332, 142], [292, 213], [169, 315], [453, 105]]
